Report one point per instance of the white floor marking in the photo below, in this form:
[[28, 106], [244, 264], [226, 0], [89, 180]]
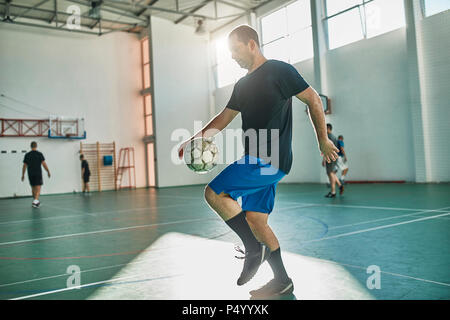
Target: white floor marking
[[102, 231], [389, 218], [376, 228]]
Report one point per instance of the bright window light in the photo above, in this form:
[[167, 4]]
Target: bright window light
[[227, 70], [301, 45], [383, 16], [345, 28], [335, 6], [287, 33], [277, 50], [298, 16], [436, 6], [274, 26]]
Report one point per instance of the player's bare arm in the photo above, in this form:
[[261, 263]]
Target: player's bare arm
[[317, 117], [217, 124], [46, 168], [24, 168]]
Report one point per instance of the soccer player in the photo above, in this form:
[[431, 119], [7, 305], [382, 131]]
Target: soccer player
[[85, 174], [32, 163], [264, 99], [342, 160], [332, 168]]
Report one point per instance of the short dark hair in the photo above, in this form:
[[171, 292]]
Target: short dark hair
[[329, 126], [33, 145], [341, 136], [81, 156], [245, 33]]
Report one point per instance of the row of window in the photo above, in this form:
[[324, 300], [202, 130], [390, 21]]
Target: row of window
[[286, 34], [148, 112]]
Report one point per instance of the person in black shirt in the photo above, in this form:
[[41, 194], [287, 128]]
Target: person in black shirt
[[32, 163], [264, 99], [332, 167], [85, 173]]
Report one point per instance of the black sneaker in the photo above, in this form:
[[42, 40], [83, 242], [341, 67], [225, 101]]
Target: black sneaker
[[274, 288], [253, 259], [330, 195], [341, 189], [36, 204]]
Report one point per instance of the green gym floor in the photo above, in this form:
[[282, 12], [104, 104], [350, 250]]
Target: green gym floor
[[167, 244]]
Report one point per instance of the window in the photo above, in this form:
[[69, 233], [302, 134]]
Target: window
[[353, 20], [226, 69], [148, 112], [151, 164], [287, 33], [148, 115], [145, 63], [435, 6]]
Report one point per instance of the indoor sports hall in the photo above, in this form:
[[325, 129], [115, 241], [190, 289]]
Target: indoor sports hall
[[111, 188]]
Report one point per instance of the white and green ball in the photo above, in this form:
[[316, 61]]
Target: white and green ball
[[201, 155]]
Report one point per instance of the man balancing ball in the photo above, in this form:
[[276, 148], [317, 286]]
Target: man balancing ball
[[264, 98]]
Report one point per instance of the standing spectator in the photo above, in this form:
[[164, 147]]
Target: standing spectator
[[85, 173]]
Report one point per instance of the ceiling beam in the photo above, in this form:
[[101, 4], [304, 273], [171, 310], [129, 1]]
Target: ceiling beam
[[65, 14], [107, 9], [233, 5], [143, 10], [29, 9], [113, 4], [201, 5]]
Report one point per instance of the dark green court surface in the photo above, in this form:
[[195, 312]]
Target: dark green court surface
[[379, 241]]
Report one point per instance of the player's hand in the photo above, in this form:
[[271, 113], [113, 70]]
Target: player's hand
[[48, 174], [328, 150], [23, 178], [345, 160]]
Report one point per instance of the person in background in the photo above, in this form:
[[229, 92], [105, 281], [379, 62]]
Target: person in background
[[332, 168], [85, 173], [342, 160], [32, 163]]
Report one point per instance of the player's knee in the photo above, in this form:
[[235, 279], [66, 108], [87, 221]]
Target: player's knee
[[209, 195], [256, 220]]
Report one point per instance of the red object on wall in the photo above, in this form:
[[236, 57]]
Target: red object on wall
[[24, 127], [126, 164]]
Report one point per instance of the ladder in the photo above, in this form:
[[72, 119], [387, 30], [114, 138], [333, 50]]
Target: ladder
[[126, 165]]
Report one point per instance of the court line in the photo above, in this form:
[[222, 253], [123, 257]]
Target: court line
[[386, 272], [389, 218], [376, 228], [88, 285], [368, 207], [95, 213], [66, 275], [104, 231]]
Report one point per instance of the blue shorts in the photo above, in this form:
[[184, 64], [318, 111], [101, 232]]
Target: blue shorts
[[251, 179]]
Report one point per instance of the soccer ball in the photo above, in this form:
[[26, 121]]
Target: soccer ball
[[201, 155]]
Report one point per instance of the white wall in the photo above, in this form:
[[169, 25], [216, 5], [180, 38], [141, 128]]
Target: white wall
[[367, 82], [433, 42], [181, 94], [97, 78]]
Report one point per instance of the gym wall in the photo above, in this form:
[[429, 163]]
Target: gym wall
[[97, 78]]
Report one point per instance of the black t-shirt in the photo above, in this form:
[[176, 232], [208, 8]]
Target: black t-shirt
[[85, 165], [264, 98], [34, 159]]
